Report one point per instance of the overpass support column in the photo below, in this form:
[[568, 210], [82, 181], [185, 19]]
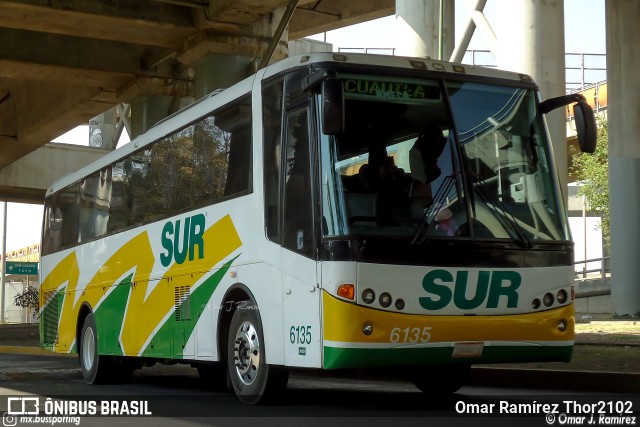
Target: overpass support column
[[219, 71], [147, 110], [623, 66], [215, 61], [102, 130], [531, 42], [418, 28]]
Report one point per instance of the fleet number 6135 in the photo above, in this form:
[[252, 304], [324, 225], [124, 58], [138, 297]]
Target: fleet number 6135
[[410, 335]]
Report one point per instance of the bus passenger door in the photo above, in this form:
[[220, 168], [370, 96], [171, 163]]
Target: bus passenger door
[[299, 265]]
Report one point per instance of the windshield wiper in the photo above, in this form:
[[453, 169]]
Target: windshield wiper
[[429, 214], [507, 220]]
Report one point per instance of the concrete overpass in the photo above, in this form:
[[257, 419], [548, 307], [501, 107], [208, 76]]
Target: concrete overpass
[[64, 62]]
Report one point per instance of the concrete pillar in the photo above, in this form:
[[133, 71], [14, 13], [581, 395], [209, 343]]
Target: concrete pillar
[[531, 41], [102, 130], [219, 61], [623, 67], [219, 72], [147, 110], [417, 28]]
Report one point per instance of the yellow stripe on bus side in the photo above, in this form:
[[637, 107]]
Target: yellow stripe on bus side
[[343, 322], [143, 313]]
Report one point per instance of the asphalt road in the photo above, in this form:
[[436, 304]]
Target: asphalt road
[[176, 396]]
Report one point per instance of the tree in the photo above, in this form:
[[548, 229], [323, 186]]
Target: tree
[[593, 172], [28, 299]]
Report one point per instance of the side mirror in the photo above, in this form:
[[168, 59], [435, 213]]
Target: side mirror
[[332, 107], [585, 119], [585, 127]]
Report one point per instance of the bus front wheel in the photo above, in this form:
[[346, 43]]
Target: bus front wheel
[[95, 368], [251, 377]]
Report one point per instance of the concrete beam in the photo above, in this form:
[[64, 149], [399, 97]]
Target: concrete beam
[[7, 117], [63, 58], [60, 74], [27, 179], [53, 109], [243, 12], [145, 22], [334, 14]]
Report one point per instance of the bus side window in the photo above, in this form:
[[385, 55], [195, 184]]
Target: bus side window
[[95, 202], [272, 125], [298, 213], [52, 225], [62, 220]]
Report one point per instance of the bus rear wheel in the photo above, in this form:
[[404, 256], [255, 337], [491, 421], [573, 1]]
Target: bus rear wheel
[[441, 379], [251, 377], [95, 368]]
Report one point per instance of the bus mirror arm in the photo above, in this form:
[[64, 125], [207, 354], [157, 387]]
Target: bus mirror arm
[[310, 83], [332, 106], [583, 115], [332, 100]]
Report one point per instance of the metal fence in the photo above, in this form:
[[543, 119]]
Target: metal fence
[[604, 270], [582, 70]]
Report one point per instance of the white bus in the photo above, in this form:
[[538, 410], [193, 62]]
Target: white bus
[[333, 211]]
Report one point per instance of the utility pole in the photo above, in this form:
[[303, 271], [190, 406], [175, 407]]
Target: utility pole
[[4, 262]]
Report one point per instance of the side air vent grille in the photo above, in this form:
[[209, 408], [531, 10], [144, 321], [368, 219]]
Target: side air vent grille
[[182, 299], [50, 316]]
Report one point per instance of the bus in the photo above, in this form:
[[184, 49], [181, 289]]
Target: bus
[[331, 212]]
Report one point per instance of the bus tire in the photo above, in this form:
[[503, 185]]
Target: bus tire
[[95, 368], [251, 377], [438, 380]]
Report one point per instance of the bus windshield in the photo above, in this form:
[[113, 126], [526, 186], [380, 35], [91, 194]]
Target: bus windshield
[[421, 160]]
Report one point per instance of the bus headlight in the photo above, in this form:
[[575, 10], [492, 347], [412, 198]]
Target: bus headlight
[[368, 296], [400, 304], [548, 299], [562, 296], [535, 304], [385, 299]]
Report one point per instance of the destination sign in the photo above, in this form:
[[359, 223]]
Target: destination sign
[[390, 90]]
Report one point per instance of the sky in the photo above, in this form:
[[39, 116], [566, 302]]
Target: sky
[[584, 27], [584, 33]]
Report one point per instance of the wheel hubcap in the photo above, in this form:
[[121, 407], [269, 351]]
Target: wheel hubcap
[[246, 353], [88, 349]]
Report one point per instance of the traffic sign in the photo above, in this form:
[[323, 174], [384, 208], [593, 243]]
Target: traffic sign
[[15, 267]]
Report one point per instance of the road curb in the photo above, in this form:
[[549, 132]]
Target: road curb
[[605, 382], [27, 350]]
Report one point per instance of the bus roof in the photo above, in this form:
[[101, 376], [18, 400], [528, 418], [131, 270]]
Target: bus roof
[[218, 98], [394, 62]]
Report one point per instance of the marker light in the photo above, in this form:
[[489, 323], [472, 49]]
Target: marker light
[[562, 296], [548, 299], [368, 296], [562, 325], [573, 294], [367, 329], [347, 290], [385, 299]]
